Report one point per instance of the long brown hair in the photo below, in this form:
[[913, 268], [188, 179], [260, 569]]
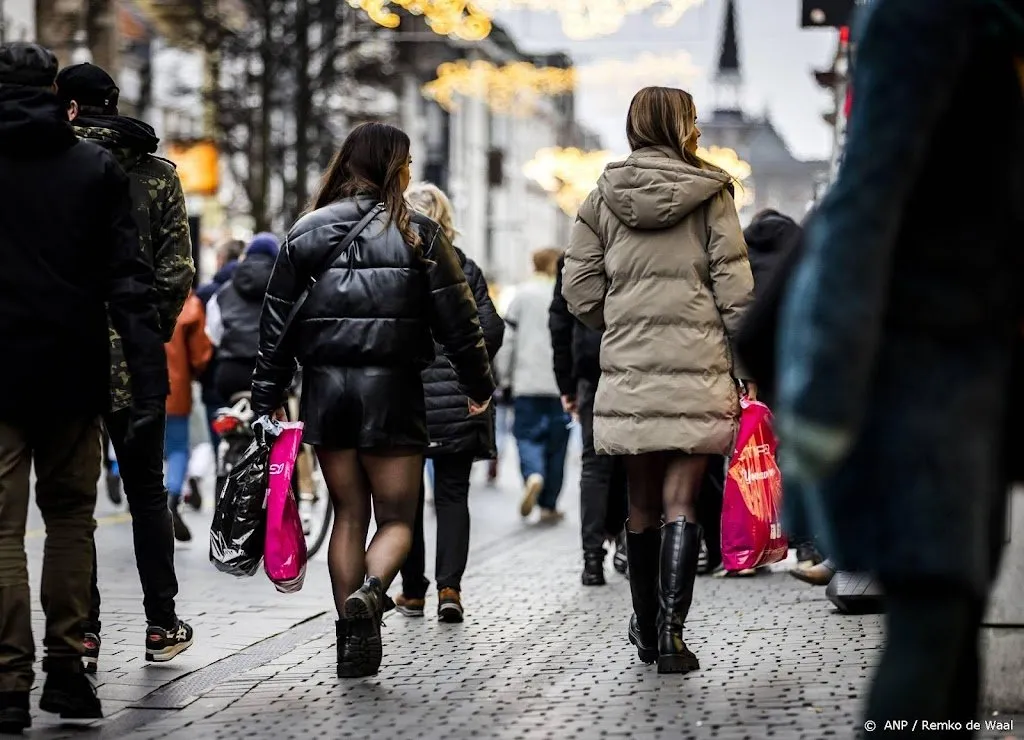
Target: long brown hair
[[664, 116], [370, 164]]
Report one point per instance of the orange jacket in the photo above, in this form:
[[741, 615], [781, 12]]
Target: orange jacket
[[188, 354]]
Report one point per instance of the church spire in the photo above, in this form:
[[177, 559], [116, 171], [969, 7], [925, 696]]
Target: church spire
[[729, 76]]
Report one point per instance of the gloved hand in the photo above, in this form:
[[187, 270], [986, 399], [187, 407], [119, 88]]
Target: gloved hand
[[265, 429], [144, 413]]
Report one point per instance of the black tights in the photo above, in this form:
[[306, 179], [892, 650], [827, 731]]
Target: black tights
[[930, 668], [663, 486], [391, 482]]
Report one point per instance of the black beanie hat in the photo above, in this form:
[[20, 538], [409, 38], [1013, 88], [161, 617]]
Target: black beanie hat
[[29, 65], [89, 86]]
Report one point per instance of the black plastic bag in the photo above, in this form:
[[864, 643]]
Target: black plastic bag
[[240, 520]]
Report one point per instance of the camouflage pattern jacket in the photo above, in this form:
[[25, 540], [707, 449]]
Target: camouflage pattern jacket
[[162, 221]]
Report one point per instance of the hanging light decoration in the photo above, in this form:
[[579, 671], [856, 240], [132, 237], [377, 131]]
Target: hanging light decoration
[[570, 174], [457, 18], [471, 19], [511, 89]]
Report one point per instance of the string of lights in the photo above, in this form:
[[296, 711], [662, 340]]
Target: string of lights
[[513, 89], [471, 19], [569, 174]]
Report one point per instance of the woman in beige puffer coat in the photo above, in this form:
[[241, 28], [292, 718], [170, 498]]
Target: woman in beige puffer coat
[[657, 260]]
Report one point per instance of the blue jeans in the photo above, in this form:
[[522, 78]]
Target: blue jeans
[[541, 431], [176, 452]]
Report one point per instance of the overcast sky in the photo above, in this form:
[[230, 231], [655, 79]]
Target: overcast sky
[[776, 54]]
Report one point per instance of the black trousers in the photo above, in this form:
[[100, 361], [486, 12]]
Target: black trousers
[[709, 508], [604, 504], [142, 474], [451, 503], [930, 669]]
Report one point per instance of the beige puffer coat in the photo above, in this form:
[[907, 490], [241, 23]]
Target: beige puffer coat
[[657, 259]]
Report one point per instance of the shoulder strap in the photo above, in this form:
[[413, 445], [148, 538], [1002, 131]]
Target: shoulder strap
[[345, 243]]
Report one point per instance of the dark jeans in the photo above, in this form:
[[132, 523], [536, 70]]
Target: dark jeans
[[542, 434], [451, 502], [603, 501], [930, 669], [142, 475], [67, 459], [709, 508]]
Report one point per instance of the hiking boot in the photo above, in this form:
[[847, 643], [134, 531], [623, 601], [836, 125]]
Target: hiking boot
[[163, 645], [680, 549], [91, 657], [449, 606], [363, 651], [620, 562], [181, 531], [531, 492], [71, 695], [593, 569], [14, 714], [409, 607]]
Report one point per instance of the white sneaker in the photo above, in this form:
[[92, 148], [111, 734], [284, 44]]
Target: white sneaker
[[531, 492]]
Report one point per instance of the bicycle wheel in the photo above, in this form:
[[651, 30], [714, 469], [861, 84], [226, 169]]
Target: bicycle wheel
[[315, 510]]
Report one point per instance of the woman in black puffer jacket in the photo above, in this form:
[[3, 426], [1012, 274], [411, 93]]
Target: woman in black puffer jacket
[[363, 337], [457, 440]]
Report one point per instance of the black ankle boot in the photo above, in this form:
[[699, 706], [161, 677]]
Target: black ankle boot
[[680, 549], [642, 554], [363, 651], [593, 569], [341, 630], [14, 714]]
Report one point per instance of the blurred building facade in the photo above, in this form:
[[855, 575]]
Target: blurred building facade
[[17, 20], [779, 180]]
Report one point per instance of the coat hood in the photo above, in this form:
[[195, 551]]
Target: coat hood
[[252, 276], [127, 139], [654, 189], [32, 122], [771, 233]]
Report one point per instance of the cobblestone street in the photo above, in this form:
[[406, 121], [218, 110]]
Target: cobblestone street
[[539, 656]]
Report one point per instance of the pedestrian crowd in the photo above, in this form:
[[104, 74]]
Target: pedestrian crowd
[[885, 331]]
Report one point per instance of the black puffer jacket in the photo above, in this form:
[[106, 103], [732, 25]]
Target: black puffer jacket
[[452, 430], [68, 244], [576, 347], [370, 315], [240, 302]]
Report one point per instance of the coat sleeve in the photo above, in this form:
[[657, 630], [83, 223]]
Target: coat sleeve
[[275, 364], [455, 320], [561, 324], [490, 322], [172, 252], [584, 283], [731, 280], [131, 297]]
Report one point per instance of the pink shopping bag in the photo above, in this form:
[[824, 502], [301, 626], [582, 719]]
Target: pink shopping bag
[[752, 502], [284, 556]]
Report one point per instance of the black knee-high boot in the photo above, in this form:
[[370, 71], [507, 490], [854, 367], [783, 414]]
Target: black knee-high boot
[[642, 555], [680, 549]]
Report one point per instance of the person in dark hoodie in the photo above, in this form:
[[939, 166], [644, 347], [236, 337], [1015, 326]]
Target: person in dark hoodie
[[576, 350], [233, 316], [770, 236], [69, 258], [457, 440], [90, 98]]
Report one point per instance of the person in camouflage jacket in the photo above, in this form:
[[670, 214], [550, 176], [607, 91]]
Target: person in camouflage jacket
[[91, 98]]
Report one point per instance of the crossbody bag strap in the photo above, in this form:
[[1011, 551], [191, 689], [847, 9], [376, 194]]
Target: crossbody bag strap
[[345, 243]]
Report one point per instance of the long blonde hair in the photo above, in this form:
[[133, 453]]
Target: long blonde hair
[[431, 201], [664, 116]]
